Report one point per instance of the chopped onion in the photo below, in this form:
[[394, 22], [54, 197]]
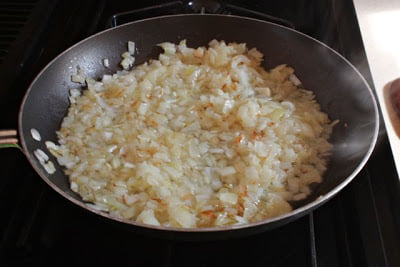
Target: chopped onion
[[131, 47], [35, 135], [41, 156], [198, 137], [106, 63], [226, 171], [293, 78]]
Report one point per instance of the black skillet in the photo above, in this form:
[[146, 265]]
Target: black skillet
[[340, 89]]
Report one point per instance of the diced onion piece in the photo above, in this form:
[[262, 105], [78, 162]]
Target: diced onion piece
[[129, 165], [73, 95], [106, 62], [216, 150], [226, 171], [257, 55], [49, 167], [182, 216], [108, 135], [51, 146], [142, 108], [74, 187], [169, 48], [127, 62], [112, 148], [41, 156], [230, 198], [147, 216], [80, 77], [299, 196], [293, 78], [247, 114], [35, 135], [289, 105], [115, 163], [131, 47], [266, 91], [199, 52], [130, 199]]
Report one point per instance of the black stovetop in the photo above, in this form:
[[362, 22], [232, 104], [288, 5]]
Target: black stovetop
[[358, 227]]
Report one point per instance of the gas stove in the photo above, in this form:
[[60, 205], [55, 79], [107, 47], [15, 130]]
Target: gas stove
[[358, 227]]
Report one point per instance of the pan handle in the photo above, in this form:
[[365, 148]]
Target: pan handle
[[8, 138]]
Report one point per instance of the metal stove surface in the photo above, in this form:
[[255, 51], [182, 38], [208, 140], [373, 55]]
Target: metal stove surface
[[359, 227]]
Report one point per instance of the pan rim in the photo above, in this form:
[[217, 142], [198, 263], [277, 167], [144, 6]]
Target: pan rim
[[294, 214]]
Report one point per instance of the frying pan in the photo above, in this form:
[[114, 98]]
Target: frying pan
[[339, 88]]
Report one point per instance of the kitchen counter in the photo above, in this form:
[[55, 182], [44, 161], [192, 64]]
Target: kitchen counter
[[379, 24]]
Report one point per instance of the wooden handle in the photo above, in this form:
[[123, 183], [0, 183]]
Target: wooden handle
[[8, 137]]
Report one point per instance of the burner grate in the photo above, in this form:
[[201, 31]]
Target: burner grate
[[199, 6], [13, 16]]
